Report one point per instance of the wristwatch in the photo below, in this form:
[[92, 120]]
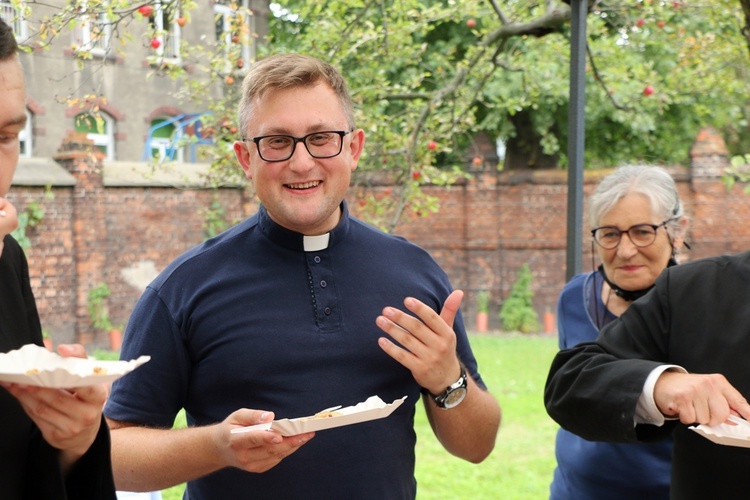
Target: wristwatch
[[453, 394]]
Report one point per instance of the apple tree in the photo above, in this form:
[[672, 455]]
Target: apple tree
[[427, 76]]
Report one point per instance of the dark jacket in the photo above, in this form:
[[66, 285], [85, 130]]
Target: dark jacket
[[698, 317], [29, 468]]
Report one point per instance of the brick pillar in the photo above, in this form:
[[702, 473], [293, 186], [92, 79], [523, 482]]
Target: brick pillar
[[79, 156], [709, 155]]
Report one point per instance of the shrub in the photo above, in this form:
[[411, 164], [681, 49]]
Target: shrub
[[517, 312], [483, 301]]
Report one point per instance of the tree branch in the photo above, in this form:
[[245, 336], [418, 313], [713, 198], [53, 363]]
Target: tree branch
[[602, 83], [551, 22]]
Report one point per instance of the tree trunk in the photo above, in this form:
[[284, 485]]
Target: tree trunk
[[524, 149], [746, 28]]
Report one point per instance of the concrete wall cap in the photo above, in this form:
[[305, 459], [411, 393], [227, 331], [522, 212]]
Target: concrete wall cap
[[41, 172], [182, 175]]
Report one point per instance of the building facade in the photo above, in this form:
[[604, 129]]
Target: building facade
[[109, 78]]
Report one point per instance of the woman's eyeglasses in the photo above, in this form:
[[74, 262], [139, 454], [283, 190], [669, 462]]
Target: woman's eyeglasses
[[642, 235]]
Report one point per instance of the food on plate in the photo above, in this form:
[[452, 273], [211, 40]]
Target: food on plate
[[32, 371], [326, 414], [98, 370]]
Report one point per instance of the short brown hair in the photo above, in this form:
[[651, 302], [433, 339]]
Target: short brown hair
[[8, 44], [286, 71]]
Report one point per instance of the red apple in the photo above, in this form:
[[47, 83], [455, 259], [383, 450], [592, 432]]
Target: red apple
[[432, 145], [145, 10], [416, 175], [229, 80], [235, 39], [477, 161], [155, 43], [181, 21], [471, 23], [640, 22], [648, 90], [661, 24]]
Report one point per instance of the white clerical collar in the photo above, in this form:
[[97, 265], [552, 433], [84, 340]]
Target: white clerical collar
[[316, 243]]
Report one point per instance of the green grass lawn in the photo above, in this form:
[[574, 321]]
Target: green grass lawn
[[514, 368]]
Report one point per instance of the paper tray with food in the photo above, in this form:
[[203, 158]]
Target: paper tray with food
[[35, 365], [726, 434], [372, 409]]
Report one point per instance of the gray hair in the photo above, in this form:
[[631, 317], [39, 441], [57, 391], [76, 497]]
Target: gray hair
[[654, 183], [286, 71]]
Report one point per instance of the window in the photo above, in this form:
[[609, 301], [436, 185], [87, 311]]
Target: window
[[100, 129], [235, 30], [166, 41], [25, 138], [93, 32], [164, 139], [13, 17]]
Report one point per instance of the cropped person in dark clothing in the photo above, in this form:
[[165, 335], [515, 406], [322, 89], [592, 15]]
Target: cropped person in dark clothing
[[54, 442], [677, 357]]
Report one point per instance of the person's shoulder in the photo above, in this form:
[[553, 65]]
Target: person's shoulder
[[714, 263], [12, 253], [579, 279], [577, 282], [200, 254], [399, 249], [375, 234], [719, 272], [11, 246]]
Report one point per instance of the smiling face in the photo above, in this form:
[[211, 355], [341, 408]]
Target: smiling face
[[12, 119], [302, 193], [627, 266]]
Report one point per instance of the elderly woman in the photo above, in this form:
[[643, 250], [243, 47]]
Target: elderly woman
[[638, 226]]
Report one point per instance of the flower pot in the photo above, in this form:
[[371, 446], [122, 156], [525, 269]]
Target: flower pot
[[548, 322], [482, 321], [115, 339]]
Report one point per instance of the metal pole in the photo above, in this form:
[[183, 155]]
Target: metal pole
[[576, 136]]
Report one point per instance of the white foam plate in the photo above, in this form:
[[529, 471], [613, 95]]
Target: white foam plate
[[726, 434], [372, 409], [35, 365]]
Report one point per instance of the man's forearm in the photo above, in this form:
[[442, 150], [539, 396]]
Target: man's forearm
[[146, 459]]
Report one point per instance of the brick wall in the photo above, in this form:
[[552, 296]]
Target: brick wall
[[120, 225]]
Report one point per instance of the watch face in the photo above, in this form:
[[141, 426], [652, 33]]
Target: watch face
[[455, 397]]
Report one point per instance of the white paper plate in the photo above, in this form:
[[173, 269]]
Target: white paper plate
[[372, 409], [35, 365], [726, 434]]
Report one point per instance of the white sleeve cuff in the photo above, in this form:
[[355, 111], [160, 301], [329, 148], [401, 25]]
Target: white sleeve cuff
[[646, 411]]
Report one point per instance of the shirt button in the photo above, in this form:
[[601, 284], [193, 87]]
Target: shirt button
[[323, 284], [317, 259], [327, 310]]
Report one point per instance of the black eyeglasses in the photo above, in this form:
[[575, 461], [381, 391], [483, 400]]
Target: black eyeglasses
[[642, 235], [325, 144]]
